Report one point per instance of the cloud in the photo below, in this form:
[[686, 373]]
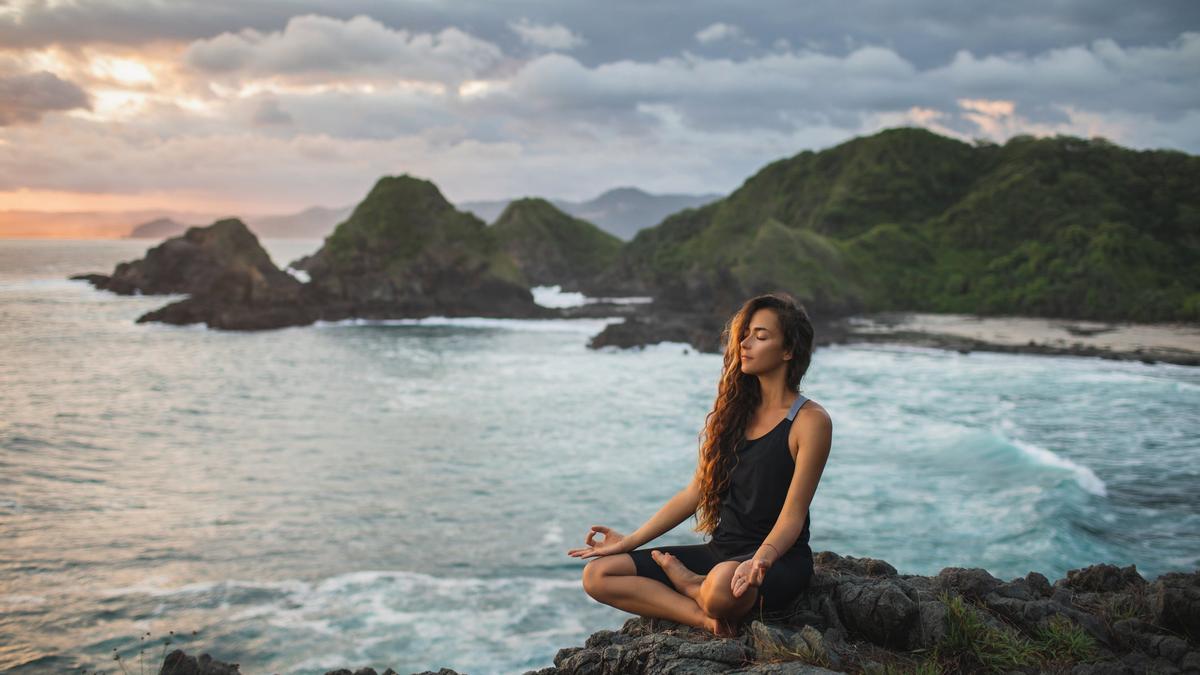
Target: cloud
[[26, 97], [310, 109], [269, 113], [546, 36], [320, 49], [717, 32]]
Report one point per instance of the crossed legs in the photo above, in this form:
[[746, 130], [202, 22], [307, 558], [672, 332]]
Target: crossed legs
[[703, 601]]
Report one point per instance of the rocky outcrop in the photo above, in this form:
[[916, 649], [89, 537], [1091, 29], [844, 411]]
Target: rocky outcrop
[[406, 251], [861, 615], [229, 277], [201, 260], [552, 247]]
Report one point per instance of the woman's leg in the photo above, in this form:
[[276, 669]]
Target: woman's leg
[[716, 594], [613, 580]]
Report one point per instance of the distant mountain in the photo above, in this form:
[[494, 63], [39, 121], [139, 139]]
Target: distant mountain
[[315, 222], [159, 228], [620, 211], [552, 247], [907, 219]]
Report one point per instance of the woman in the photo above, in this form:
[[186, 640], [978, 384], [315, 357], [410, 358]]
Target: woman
[[762, 453]]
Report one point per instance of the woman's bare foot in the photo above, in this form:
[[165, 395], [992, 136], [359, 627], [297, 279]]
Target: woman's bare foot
[[721, 627], [685, 580]]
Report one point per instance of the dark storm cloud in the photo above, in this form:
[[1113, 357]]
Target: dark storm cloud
[[25, 97]]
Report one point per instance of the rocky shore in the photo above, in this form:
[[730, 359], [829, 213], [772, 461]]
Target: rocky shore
[[860, 615], [406, 252], [1148, 343]]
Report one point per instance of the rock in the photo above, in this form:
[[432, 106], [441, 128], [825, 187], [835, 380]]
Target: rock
[[1176, 602], [406, 251], [858, 614], [700, 331], [807, 645], [224, 256], [552, 247], [179, 663], [1103, 577]]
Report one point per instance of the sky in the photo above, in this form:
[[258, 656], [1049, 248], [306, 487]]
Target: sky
[[269, 107]]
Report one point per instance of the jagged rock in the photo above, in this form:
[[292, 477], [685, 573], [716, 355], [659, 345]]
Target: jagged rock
[[406, 251], [677, 651], [700, 331], [220, 258], [230, 278], [973, 583], [1177, 603], [179, 663], [858, 614], [1102, 577], [807, 644]]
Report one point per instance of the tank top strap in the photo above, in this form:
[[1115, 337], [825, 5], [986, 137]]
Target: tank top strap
[[796, 406]]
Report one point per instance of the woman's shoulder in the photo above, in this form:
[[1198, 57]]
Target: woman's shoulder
[[812, 425], [811, 412]]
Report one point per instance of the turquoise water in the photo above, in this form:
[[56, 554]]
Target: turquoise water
[[403, 494]]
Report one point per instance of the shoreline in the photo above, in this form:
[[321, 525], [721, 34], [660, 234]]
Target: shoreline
[[861, 615], [1176, 343]]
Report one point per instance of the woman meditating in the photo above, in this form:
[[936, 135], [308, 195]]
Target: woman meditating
[[762, 453]]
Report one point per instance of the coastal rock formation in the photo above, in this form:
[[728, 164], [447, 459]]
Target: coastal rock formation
[[406, 251], [860, 615], [230, 279], [201, 260], [552, 247]]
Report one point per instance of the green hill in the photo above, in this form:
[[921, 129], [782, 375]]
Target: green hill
[[553, 247], [906, 219], [404, 247]]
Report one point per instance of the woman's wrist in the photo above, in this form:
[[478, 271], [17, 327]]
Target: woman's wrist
[[759, 554]]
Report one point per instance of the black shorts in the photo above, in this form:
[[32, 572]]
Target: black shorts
[[783, 582]]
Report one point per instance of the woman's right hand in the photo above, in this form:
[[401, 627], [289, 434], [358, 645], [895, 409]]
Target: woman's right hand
[[614, 542]]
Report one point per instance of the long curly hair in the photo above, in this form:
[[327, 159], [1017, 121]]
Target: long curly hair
[[738, 395]]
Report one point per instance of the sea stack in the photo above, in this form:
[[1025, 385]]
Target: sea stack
[[405, 251], [224, 258]]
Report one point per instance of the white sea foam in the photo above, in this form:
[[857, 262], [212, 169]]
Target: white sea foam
[[553, 535], [430, 614], [1086, 478], [554, 296], [589, 326]]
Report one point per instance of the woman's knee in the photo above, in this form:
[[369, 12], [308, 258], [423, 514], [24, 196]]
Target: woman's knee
[[598, 570], [716, 597]]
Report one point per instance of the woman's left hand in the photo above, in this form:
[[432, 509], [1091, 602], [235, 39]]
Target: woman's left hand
[[750, 573]]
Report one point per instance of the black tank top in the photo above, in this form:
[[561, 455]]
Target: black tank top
[[758, 486]]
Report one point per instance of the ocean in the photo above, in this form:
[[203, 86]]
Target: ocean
[[402, 494]]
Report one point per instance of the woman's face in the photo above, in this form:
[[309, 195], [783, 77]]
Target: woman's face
[[762, 343]]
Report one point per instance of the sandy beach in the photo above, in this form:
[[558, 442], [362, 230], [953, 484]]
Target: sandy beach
[[1171, 342]]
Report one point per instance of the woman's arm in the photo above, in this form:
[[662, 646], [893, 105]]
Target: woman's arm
[[675, 511], [812, 440]]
